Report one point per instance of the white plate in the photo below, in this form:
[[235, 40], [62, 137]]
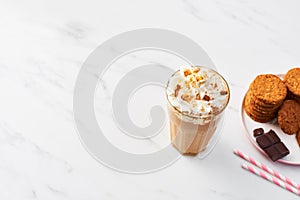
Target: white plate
[[289, 140]]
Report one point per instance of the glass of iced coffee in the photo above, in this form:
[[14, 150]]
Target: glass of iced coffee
[[197, 97]]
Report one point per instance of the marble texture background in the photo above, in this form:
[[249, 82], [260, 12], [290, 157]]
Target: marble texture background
[[42, 47]]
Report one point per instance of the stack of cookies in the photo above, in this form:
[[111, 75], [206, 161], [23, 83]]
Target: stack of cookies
[[264, 97], [292, 81]]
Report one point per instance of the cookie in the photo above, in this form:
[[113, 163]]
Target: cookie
[[250, 102], [289, 117], [263, 114], [292, 81], [258, 111], [258, 118], [268, 89], [256, 102]]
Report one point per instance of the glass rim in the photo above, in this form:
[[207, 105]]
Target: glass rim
[[202, 116]]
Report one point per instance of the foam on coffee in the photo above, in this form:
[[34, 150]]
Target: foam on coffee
[[198, 92]]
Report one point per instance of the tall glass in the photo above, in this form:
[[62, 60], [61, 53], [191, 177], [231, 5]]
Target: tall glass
[[197, 98]]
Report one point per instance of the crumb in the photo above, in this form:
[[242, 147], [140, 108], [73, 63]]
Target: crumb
[[187, 72], [186, 97], [206, 98], [196, 70], [177, 90], [224, 92]]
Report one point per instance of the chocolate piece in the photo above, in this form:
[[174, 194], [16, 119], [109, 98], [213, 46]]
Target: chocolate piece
[[271, 144], [263, 141], [277, 151], [178, 87], [206, 97], [224, 92], [196, 70], [257, 132], [267, 139], [271, 131], [187, 72]]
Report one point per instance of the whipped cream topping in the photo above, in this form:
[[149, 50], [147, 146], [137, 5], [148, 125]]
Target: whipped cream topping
[[197, 91]]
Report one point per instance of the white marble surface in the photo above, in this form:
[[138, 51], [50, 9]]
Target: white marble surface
[[42, 47]]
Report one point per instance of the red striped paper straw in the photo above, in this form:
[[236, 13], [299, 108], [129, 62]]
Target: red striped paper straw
[[271, 179], [267, 169]]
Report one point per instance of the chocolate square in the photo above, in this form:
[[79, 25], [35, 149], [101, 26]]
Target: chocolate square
[[273, 136], [268, 139], [277, 151], [257, 132]]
